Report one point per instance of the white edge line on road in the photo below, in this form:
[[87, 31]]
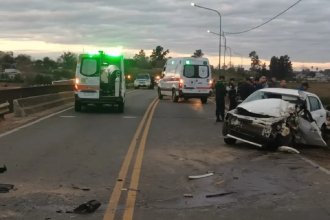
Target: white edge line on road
[[315, 165], [40, 119], [33, 122]]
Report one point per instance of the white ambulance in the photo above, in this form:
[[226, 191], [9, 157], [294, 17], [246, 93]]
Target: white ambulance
[[100, 80], [186, 77]]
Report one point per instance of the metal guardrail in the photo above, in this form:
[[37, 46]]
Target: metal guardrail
[[34, 104], [9, 95], [4, 109]]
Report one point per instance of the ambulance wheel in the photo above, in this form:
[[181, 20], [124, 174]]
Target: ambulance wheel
[[160, 96], [204, 100], [77, 106], [121, 106], [175, 98]]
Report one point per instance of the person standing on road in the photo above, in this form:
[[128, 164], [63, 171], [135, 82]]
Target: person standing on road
[[272, 83], [304, 86], [246, 89], [262, 83], [220, 93], [283, 83], [232, 92]]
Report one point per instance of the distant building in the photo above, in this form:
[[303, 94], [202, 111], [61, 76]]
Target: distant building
[[11, 73]]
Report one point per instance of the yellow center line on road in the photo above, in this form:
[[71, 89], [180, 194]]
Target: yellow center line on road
[[131, 196], [116, 193]]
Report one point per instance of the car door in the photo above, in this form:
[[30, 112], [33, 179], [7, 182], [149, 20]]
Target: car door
[[317, 110], [310, 133]]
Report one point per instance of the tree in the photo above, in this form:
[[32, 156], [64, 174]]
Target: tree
[[141, 59], [157, 57], [255, 62], [281, 68], [198, 53], [24, 63], [49, 65], [7, 60], [67, 63], [264, 70]]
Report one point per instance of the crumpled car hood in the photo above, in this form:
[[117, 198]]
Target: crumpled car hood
[[269, 107]]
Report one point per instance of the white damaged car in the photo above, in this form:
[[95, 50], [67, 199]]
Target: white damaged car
[[275, 117]]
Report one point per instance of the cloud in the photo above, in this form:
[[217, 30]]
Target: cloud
[[302, 32]]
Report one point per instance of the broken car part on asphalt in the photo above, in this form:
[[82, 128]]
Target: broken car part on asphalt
[[80, 188], [200, 176], [219, 194], [3, 169], [87, 207], [288, 149], [4, 188]]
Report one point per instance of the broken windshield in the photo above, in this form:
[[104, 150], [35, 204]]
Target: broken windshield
[[268, 95]]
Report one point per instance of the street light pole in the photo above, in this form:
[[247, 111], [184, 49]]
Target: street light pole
[[230, 56], [224, 55], [210, 9]]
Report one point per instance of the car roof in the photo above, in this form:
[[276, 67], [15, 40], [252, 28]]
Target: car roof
[[292, 92]]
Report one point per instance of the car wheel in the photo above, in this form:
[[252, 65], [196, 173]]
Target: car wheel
[[175, 98], [281, 141], [325, 132], [229, 141], [204, 100], [121, 106], [136, 87], [77, 106], [160, 96], [186, 98]]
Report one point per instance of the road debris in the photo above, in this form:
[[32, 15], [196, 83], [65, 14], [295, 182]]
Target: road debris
[[3, 169], [288, 150], [200, 176], [219, 194], [87, 207], [187, 195], [4, 188], [80, 188], [219, 182]]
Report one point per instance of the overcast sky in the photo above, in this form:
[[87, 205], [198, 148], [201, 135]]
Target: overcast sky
[[44, 27]]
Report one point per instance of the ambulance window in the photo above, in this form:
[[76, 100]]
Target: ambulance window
[[203, 71], [189, 71], [88, 67], [196, 71]]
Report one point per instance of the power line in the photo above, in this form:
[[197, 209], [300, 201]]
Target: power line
[[276, 16]]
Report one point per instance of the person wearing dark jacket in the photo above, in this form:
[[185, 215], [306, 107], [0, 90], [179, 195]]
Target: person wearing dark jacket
[[220, 93], [232, 92], [246, 89]]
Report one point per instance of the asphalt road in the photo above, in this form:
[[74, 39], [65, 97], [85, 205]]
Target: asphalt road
[[137, 165]]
